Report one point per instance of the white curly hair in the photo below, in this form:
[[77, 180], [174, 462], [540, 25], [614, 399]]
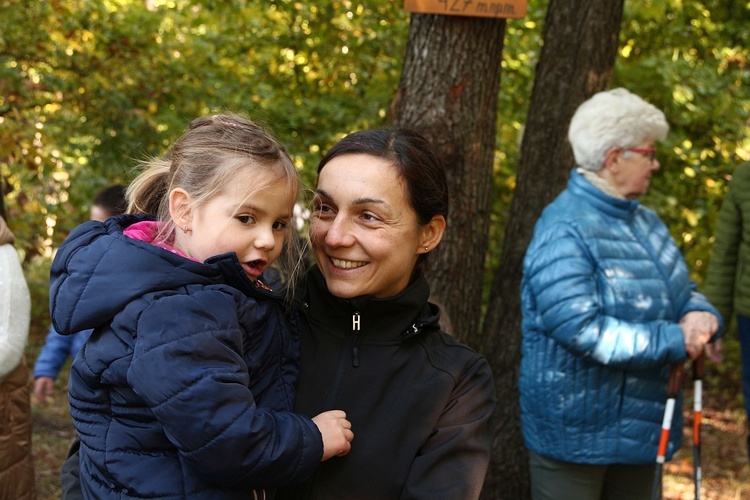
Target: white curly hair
[[610, 119]]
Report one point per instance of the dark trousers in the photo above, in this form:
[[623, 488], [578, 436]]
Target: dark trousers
[[743, 330], [69, 475], [556, 480]]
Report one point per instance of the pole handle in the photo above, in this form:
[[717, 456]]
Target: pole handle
[[699, 367], [675, 379]]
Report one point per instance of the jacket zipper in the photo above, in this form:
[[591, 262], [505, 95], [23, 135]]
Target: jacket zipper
[[350, 342], [355, 338]]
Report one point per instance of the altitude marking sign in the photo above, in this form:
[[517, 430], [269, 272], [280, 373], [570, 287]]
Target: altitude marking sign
[[473, 8]]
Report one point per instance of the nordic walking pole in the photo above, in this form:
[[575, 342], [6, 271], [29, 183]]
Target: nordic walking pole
[[673, 389], [698, 373]]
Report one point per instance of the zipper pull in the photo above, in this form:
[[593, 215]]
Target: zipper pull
[[355, 328], [355, 357]]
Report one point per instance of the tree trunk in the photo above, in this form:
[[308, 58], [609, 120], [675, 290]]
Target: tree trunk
[[448, 92], [580, 48]]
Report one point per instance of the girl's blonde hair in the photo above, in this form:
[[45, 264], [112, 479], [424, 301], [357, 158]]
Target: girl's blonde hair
[[204, 161]]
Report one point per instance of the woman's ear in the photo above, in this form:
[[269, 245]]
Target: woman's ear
[[432, 234], [180, 208], [612, 159]]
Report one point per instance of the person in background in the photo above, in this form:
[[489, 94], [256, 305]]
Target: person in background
[[186, 386], [108, 202], [16, 464], [728, 279], [372, 343], [58, 348], [608, 306]]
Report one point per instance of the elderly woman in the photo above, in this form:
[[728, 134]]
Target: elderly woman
[[608, 306]]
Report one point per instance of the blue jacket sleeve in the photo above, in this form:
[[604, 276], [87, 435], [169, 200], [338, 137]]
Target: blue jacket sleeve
[[56, 350], [196, 348], [53, 355], [562, 278]]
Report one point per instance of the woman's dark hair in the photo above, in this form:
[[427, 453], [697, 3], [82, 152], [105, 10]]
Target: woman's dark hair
[[415, 160]]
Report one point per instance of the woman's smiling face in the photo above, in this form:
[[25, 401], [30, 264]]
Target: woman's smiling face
[[364, 233]]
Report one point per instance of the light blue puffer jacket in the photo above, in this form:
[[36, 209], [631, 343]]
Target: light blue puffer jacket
[[603, 290]]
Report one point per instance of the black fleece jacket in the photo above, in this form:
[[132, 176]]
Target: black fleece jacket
[[419, 401]]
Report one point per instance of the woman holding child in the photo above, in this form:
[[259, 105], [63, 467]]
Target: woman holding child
[[373, 356]]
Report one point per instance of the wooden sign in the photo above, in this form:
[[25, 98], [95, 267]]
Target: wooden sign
[[474, 8]]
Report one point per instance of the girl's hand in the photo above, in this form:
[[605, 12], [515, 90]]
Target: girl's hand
[[336, 431]]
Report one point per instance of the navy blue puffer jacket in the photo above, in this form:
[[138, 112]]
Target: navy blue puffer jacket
[[603, 290], [185, 386]]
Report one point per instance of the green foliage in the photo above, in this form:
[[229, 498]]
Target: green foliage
[[90, 87], [690, 60]]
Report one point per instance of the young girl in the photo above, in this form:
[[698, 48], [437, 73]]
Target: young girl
[[185, 386]]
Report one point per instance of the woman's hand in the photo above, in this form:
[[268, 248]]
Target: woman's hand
[[336, 431], [698, 328], [714, 351]]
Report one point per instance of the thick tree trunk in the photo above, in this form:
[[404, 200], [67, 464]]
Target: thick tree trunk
[[580, 48], [448, 92]]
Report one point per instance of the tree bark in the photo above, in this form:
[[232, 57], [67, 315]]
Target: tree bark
[[449, 93], [580, 47]]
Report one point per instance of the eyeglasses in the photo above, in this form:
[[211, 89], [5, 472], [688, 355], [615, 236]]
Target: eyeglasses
[[649, 153]]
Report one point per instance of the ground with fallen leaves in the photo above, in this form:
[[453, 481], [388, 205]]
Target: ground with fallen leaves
[[724, 459]]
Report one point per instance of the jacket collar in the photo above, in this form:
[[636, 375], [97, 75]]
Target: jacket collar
[[98, 270], [615, 207], [391, 319]]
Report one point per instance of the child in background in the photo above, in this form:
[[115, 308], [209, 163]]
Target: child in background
[[185, 386], [57, 348]]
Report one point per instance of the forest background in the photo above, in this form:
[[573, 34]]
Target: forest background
[[88, 88]]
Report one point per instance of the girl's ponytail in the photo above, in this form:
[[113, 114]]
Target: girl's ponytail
[[147, 193]]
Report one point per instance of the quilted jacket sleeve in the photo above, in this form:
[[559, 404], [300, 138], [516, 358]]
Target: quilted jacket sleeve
[[722, 268], [188, 366], [15, 307], [561, 281]]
